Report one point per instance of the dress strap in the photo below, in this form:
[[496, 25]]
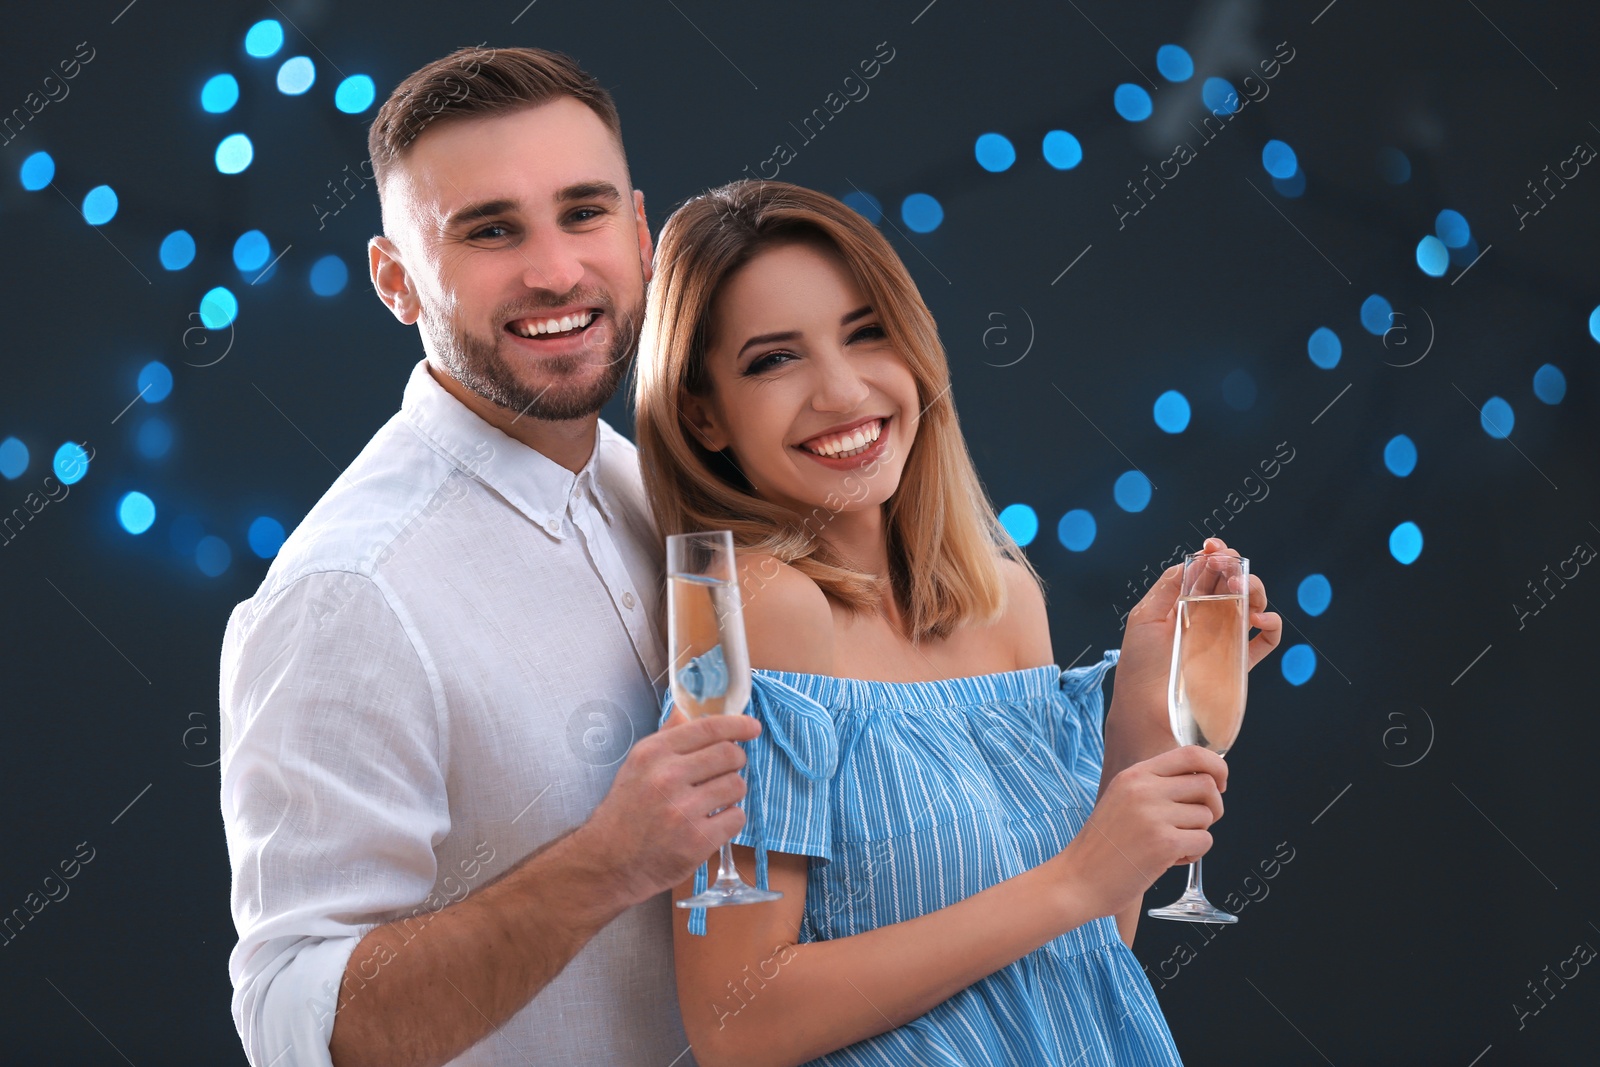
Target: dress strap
[[803, 731]]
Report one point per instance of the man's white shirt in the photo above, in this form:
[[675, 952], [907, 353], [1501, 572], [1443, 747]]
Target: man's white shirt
[[441, 672]]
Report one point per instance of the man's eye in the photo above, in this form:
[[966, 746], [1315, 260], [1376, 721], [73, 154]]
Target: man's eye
[[487, 231], [586, 214]]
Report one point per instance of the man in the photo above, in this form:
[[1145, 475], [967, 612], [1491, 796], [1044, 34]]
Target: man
[[451, 825]]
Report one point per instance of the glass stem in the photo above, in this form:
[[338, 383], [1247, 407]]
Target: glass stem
[[1194, 889], [726, 871]]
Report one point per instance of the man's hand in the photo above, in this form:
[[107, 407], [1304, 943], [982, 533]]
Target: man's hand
[[655, 825]]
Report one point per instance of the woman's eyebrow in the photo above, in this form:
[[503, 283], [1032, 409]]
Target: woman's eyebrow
[[792, 335]]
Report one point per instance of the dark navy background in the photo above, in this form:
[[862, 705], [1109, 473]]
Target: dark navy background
[[1411, 830]]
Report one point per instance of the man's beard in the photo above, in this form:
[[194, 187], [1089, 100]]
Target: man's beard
[[479, 365]]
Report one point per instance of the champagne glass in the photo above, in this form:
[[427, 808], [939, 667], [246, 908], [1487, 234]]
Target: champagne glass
[[1206, 689], [710, 664]]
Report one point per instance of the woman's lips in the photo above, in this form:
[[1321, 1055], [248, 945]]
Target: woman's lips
[[871, 454]]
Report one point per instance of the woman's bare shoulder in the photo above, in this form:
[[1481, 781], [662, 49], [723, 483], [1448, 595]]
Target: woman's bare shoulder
[[787, 619], [1026, 621]]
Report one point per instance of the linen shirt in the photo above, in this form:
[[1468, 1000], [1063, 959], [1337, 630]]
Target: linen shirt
[[442, 670]]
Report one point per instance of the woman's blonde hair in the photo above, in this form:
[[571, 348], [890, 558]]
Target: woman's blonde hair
[[944, 540]]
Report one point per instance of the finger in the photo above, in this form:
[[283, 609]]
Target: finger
[[1258, 593], [1197, 802], [1159, 601], [708, 730], [719, 792], [1262, 644], [1192, 759], [1195, 843], [710, 762]]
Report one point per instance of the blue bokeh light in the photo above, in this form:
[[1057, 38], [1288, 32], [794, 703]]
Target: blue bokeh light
[[136, 512], [1497, 418], [1132, 102], [1594, 323], [995, 152], [1433, 256], [1132, 491], [1293, 186], [1174, 63], [1549, 384], [266, 536], [921, 213], [1239, 390], [1400, 455], [1279, 160], [1376, 315], [212, 555], [1021, 522], [1393, 166], [264, 38], [13, 458], [329, 275], [1452, 228], [1315, 594], [220, 93], [864, 204], [71, 463], [38, 170], [234, 153], [251, 251], [1324, 348], [1172, 411], [177, 250], [218, 308], [155, 382], [355, 94], [1299, 664], [154, 438], [296, 75], [1405, 542], [1062, 150], [1219, 95], [184, 534], [1076, 530], [99, 205]]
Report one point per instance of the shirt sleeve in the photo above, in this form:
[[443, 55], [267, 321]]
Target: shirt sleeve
[[333, 797], [1077, 726]]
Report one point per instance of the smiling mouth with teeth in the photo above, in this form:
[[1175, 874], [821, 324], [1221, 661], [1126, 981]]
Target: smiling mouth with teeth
[[567, 324], [845, 445]]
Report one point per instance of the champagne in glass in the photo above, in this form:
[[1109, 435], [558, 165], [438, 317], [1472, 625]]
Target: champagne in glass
[[1206, 688], [710, 673]]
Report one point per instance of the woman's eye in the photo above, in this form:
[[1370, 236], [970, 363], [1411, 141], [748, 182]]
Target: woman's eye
[[766, 362], [870, 332]]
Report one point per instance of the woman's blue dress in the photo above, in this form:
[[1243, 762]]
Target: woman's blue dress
[[912, 796]]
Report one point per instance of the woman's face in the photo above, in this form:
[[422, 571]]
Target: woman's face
[[814, 404]]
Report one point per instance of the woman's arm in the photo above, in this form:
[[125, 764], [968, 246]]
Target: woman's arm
[[751, 995]]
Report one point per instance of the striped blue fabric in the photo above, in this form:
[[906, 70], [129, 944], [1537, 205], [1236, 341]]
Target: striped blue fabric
[[911, 796]]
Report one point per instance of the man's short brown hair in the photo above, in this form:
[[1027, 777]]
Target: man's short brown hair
[[477, 81]]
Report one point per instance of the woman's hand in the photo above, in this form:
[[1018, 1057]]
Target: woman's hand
[[1151, 816], [1141, 678]]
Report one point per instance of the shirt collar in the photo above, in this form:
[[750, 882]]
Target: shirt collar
[[534, 484]]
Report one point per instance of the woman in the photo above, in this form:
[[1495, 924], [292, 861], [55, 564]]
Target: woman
[[924, 774]]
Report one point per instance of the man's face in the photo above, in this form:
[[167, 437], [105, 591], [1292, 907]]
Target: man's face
[[505, 226]]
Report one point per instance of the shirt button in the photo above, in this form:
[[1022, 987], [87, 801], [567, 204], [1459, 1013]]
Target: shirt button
[[627, 600], [553, 526]]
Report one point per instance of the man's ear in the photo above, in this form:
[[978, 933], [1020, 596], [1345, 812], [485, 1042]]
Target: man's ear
[[705, 426], [646, 246], [390, 280]]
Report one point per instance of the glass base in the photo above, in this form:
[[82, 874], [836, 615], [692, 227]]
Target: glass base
[[729, 891], [1193, 908]]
